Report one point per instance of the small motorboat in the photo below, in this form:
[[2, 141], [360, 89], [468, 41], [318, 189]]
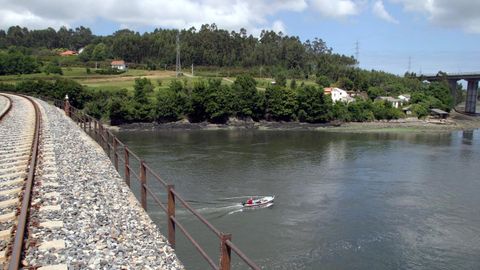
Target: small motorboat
[[259, 201]]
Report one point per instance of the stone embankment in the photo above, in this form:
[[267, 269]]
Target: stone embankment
[[84, 216]]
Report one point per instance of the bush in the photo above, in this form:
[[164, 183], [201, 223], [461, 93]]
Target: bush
[[323, 81], [51, 68], [385, 110], [109, 71], [420, 110], [17, 63]]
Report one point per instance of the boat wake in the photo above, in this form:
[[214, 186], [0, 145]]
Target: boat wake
[[223, 206]]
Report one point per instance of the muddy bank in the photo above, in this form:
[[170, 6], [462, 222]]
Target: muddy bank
[[233, 124], [456, 121]]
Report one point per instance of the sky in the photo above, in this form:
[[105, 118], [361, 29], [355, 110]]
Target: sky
[[422, 36]]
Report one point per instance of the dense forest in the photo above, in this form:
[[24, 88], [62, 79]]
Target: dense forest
[[208, 46], [282, 57]]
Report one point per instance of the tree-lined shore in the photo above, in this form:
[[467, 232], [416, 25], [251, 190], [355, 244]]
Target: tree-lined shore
[[300, 72]]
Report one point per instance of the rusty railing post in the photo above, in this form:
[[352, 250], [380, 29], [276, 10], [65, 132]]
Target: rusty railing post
[[127, 165], [115, 154], [90, 125], [108, 143], [66, 106], [100, 134], [143, 184], [225, 252], [171, 213]]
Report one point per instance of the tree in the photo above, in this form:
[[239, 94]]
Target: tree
[[87, 53], [374, 92], [247, 97], [52, 68], [16, 62], [281, 103], [323, 81], [313, 106], [99, 53], [281, 79], [172, 103], [198, 98], [142, 89], [219, 102], [293, 84], [345, 83]]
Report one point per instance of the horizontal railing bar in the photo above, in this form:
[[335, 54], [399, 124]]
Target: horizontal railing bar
[[242, 255], [119, 143], [195, 213], [197, 246], [156, 176], [132, 172], [156, 199], [133, 154]]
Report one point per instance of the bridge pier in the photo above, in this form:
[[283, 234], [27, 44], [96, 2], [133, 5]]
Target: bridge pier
[[472, 93], [452, 83]]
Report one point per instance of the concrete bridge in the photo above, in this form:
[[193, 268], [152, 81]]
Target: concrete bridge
[[472, 79]]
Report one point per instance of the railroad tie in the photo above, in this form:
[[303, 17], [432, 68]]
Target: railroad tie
[[52, 224], [50, 208], [54, 244], [7, 217], [54, 267]]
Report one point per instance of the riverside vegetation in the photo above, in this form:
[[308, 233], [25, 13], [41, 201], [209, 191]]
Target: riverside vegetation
[[210, 100], [300, 70]]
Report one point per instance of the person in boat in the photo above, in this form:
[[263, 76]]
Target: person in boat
[[250, 200]]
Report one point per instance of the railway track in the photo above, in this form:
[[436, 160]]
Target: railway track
[[19, 140]]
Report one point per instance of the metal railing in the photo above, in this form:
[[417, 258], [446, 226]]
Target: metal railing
[[117, 151]]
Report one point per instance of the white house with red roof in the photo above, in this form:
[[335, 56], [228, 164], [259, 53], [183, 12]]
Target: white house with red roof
[[119, 64], [337, 94]]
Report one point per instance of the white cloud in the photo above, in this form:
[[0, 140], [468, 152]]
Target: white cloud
[[336, 8], [279, 26], [379, 10], [27, 18], [232, 15], [448, 13]]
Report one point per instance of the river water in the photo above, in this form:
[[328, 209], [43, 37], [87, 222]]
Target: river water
[[343, 201]]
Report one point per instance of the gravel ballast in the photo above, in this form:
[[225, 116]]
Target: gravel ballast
[[104, 226]]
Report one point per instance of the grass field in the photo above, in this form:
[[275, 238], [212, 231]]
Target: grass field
[[160, 79]]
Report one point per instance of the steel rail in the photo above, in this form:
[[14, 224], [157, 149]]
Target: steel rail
[[17, 247], [9, 106]]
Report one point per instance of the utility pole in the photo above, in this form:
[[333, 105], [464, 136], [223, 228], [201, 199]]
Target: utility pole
[[357, 53], [178, 68]]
